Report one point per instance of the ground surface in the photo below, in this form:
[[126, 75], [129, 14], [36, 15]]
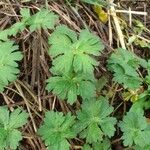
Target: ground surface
[[29, 90]]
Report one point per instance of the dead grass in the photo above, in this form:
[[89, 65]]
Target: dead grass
[[29, 90]]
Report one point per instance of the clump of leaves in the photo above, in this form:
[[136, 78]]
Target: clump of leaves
[[132, 95], [69, 51], [104, 145], [69, 86], [44, 19], [73, 63], [17, 27], [140, 148], [136, 129], [125, 64], [9, 124], [20, 26], [9, 54], [56, 130], [136, 37], [94, 121]]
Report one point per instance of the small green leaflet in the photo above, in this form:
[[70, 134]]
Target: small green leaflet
[[9, 54], [135, 128], [9, 124], [4, 34], [100, 83], [17, 27], [142, 148], [94, 121], [42, 19], [20, 26], [104, 145], [69, 51], [56, 129], [124, 64], [69, 86]]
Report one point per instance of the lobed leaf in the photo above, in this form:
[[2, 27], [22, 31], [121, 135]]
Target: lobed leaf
[[42, 19], [9, 54], [56, 129], [69, 51], [69, 86], [94, 121], [135, 128], [9, 124], [124, 64]]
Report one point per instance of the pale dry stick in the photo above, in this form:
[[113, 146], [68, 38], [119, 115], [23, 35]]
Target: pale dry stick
[[38, 74], [28, 90], [26, 102], [132, 12], [1, 12], [130, 17], [117, 24], [21, 96], [110, 30], [140, 37], [53, 105]]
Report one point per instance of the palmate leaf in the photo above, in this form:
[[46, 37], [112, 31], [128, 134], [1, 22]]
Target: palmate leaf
[[104, 145], [135, 128], [4, 34], [68, 50], [142, 148], [56, 129], [9, 124], [17, 27], [20, 26], [124, 64], [94, 121], [42, 19], [69, 86], [9, 54]]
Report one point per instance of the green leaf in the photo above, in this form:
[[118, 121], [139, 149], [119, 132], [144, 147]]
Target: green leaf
[[42, 19], [94, 121], [17, 119], [56, 129], [20, 26], [9, 54], [25, 13], [69, 51], [14, 138], [17, 27], [104, 145], [9, 124], [140, 148], [86, 147], [101, 83], [69, 86], [124, 64], [135, 128], [4, 34]]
